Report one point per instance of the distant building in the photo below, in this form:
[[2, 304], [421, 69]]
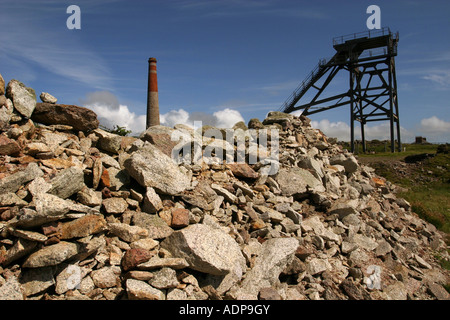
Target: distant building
[[420, 140]]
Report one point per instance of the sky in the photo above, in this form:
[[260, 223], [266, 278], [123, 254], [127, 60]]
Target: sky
[[221, 61]]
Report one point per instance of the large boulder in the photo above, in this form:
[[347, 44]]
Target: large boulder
[[160, 137], [23, 98], [79, 118], [152, 168], [206, 249], [296, 180], [276, 254]]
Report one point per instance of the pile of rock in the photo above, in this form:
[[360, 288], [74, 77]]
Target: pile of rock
[[86, 214]]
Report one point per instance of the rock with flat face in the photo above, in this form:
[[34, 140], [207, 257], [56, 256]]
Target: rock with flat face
[[160, 137], [67, 182], [79, 118], [47, 97], [23, 98], [274, 257], [152, 168], [51, 255], [140, 290], [206, 249], [13, 182], [297, 181]]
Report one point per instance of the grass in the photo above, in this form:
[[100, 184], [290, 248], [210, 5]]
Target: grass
[[427, 179]]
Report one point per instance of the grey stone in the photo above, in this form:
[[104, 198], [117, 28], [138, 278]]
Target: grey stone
[[23, 98], [152, 201], [29, 235], [314, 223], [383, 248], [37, 280], [11, 290], [156, 263], [351, 219], [422, 263], [139, 290], [11, 199], [108, 141], [89, 197], [343, 208], [118, 178], [275, 255], [364, 242], [21, 248], [157, 228], [396, 291], [438, 291], [6, 112], [69, 279], [297, 181], [67, 182], [47, 97], [126, 232], [51, 255], [13, 182], [315, 165], [277, 117], [106, 277], [38, 186], [164, 278], [349, 162], [206, 250], [115, 205], [225, 193], [51, 205], [152, 168], [316, 266]]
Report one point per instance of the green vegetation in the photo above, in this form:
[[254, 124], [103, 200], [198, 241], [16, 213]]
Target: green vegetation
[[424, 171], [121, 131]]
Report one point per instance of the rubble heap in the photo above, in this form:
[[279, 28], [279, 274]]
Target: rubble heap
[[87, 214]]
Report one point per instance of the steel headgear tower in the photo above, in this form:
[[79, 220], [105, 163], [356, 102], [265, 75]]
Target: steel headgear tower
[[152, 95]]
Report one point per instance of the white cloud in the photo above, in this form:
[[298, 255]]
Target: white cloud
[[341, 131], [111, 113], [435, 125], [435, 129], [174, 117], [227, 118], [441, 77], [121, 116]]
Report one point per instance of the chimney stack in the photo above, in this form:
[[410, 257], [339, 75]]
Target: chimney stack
[[152, 95]]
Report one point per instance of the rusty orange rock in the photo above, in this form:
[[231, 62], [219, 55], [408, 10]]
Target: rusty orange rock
[[83, 227], [378, 182], [180, 218]]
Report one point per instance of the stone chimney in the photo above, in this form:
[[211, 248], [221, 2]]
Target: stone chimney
[[152, 95]]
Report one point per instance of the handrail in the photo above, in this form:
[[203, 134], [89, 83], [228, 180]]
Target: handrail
[[369, 34], [305, 83]]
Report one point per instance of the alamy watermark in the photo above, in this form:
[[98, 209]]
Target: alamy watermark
[[219, 146], [373, 281], [74, 20], [374, 21]]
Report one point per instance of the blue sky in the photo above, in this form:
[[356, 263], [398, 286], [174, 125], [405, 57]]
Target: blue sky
[[220, 61]]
